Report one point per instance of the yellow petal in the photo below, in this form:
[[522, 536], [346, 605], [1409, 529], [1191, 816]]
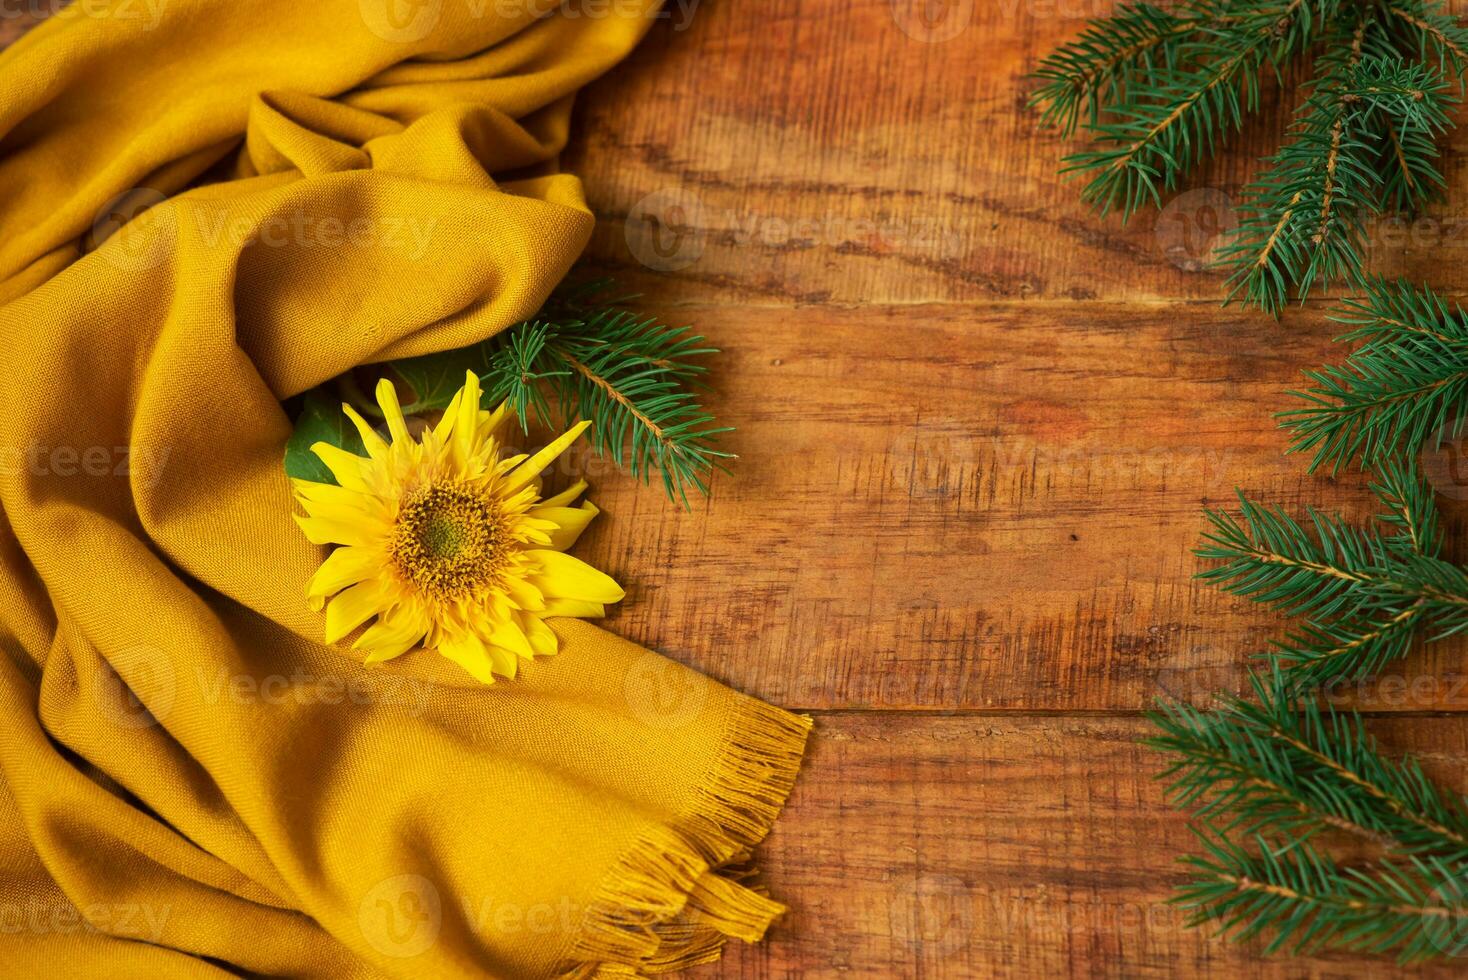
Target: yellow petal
[[352, 608], [507, 634], [359, 529], [387, 397], [328, 492], [542, 639], [509, 463], [466, 425], [490, 422], [334, 502], [524, 595], [445, 426], [564, 577], [531, 468], [468, 652], [567, 496], [350, 470], [536, 534], [393, 635], [375, 444], [579, 608], [505, 662], [498, 608], [569, 521], [343, 567]]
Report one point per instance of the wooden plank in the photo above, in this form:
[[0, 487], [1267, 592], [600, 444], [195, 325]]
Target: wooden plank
[[1006, 847], [987, 507], [818, 151]]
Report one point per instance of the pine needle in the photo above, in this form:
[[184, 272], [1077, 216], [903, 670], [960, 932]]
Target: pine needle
[[1159, 91], [1405, 387], [635, 378], [1365, 594], [1267, 777]]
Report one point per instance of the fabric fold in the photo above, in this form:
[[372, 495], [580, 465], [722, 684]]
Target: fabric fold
[[209, 211]]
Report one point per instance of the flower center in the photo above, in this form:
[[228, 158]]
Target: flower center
[[451, 541]]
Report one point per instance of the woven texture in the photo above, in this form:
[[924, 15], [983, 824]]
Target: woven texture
[[212, 206]]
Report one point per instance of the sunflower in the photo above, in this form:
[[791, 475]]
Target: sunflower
[[447, 544]]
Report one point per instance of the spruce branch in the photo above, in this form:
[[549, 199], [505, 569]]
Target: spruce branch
[[1409, 509], [1171, 116], [1305, 901], [1435, 34], [583, 356], [1278, 779], [1365, 135], [635, 378], [1407, 163], [517, 371], [1365, 594], [1159, 91], [1136, 45], [1283, 765], [1278, 771], [1405, 385]]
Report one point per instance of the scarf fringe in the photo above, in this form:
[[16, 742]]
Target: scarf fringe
[[679, 893]]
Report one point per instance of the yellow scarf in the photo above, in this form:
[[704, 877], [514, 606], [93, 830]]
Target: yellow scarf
[[193, 784]]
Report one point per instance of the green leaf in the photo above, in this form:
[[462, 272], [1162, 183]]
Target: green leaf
[[321, 420], [435, 377]]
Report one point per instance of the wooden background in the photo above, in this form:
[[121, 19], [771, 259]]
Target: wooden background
[[977, 425]]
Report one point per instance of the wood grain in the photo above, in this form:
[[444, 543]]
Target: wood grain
[[817, 151], [1006, 847], [966, 487], [980, 507]]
